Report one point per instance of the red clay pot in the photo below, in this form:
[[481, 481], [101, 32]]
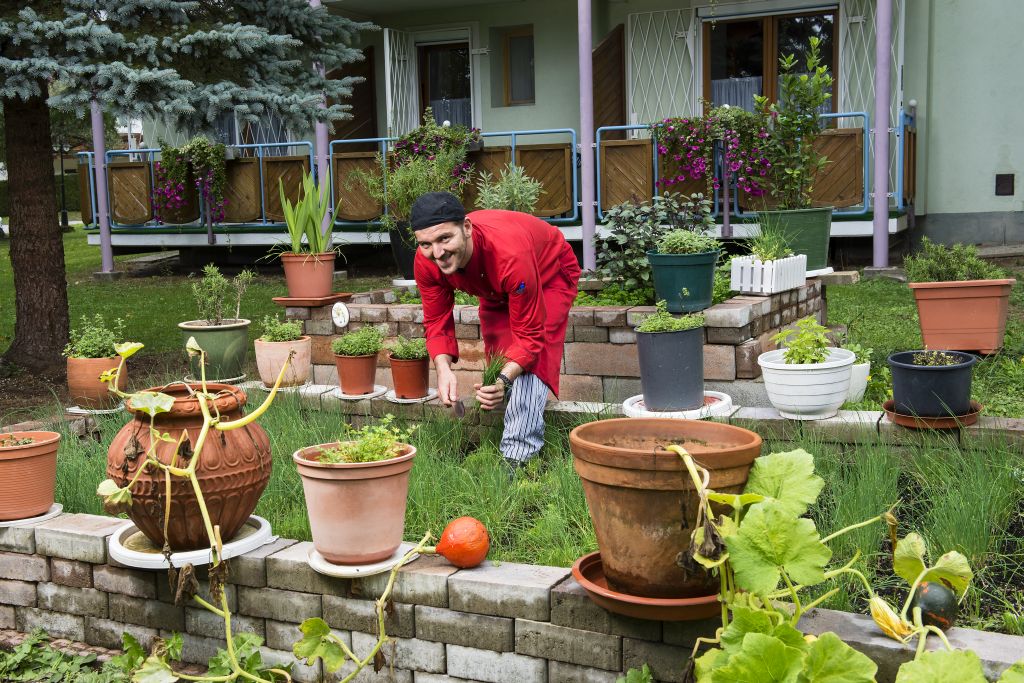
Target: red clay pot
[[969, 315], [356, 510], [411, 377], [84, 385], [28, 475], [356, 373], [308, 275], [233, 470], [642, 501], [270, 358]]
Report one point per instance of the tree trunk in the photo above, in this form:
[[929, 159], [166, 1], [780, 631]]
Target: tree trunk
[[37, 249]]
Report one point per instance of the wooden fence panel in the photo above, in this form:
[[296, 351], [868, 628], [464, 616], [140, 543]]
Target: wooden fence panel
[[129, 192], [85, 192], [551, 164], [627, 172], [287, 170], [487, 160], [242, 191], [356, 203]]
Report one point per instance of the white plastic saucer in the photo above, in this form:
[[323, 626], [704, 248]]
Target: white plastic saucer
[[54, 510], [721, 405], [130, 547], [76, 410], [431, 395], [402, 282], [230, 380], [284, 390], [352, 571], [378, 389], [828, 270]]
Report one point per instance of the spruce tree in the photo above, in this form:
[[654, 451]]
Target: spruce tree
[[187, 62]]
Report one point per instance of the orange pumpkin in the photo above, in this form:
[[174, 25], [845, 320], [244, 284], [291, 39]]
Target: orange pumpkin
[[464, 542]]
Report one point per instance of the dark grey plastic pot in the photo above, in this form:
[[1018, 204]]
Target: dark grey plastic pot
[[931, 390], [672, 369]]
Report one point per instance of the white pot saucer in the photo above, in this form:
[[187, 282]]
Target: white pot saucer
[[230, 380], [353, 571], [716, 404], [431, 395], [76, 410], [54, 510], [378, 389], [130, 547]]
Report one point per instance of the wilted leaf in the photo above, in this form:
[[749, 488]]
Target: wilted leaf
[[218, 576], [788, 478], [187, 585], [763, 659], [107, 487], [152, 402], [154, 670], [379, 662], [908, 560], [830, 660], [192, 346], [315, 643], [953, 570], [118, 502], [891, 623], [943, 666], [128, 349]]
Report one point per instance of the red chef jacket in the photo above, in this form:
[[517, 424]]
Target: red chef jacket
[[525, 274]]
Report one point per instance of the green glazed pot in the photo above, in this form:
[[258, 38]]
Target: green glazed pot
[[226, 346], [685, 281], [807, 230]]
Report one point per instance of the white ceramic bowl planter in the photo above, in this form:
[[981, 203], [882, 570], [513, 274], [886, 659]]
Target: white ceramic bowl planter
[[807, 391], [858, 381]]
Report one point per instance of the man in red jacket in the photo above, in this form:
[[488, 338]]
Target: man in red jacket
[[525, 275]]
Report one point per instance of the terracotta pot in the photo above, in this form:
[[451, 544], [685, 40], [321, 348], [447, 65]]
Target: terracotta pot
[[963, 316], [233, 470], [411, 377], [84, 385], [356, 510], [28, 475], [307, 275], [270, 357], [642, 501], [356, 373]]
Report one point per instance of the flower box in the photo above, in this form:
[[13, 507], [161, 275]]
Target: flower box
[[754, 276]]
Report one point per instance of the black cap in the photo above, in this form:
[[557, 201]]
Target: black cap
[[434, 208]]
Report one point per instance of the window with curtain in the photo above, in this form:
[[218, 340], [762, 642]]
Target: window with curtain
[[518, 50]]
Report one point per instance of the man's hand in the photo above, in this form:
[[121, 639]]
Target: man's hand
[[490, 396], [447, 386]]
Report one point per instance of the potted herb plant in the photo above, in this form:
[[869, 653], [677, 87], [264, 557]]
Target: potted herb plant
[[89, 354], [309, 266], [225, 340], [771, 266], [671, 352], [410, 367], [932, 383], [512, 191], [793, 126], [807, 380], [683, 262], [355, 356], [281, 339], [962, 300], [28, 473], [860, 371], [363, 480]]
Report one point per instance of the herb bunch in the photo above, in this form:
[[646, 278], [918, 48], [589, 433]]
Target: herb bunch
[[277, 330], [807, 343], [94, 338], [409, 349], [370, 443], [213, 293], [939, 263], [365, 341], [663, 321]]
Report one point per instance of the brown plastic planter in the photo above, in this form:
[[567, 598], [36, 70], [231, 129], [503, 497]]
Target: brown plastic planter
[[356, 373], [84, 385], [28, 475], [308, 275], [963, 316], [411, 377], [642, 501]]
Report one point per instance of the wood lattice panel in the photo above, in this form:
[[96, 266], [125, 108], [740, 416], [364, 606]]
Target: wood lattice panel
[[490, 160], [356, 203], [242, 191], [626, 172], [552, 166], [129, 192], [289, 171], [85, 193]]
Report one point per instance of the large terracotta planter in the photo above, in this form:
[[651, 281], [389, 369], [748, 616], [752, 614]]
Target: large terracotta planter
[[84, 385], [233, 470], [226, 347], [270, 358], [28, 475], [307, 275], [969, 315], [642, 501], [411, 377], [356, 510], [356, 373]]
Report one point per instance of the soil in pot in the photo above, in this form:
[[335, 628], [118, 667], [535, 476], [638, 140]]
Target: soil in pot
[[642, 501], [28, 473], [270, 358], [672, 369], [308, 276], [931, 390], [356, 373], [84, 385], [411, 377]]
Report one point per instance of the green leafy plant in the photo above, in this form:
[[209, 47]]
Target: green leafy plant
[[495, 364], [513, 190], [686, 242], [213, 292], [409, 349], [722, 288], [305, 218], [641, 675], [370, 443], [771, 241], [615, 295], [277, 330], [936, 358], [365, 341], [413, 297], [10, 441], [861, 354], [807, 343], [938, 263], [663, 321], [94, 338]]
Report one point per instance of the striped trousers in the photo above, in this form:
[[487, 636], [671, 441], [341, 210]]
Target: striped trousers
[[523, 436]]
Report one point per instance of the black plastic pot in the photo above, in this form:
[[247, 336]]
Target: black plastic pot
[[931, 390], [672, 369], [402, 249]]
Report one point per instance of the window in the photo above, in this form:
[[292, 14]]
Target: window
[[445, 82], [517, 47]]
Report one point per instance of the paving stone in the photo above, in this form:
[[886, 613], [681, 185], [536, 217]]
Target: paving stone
[[7, 617], [467, 331], [318, 327], [87, 602], [469, 315], [561, 672], [849, 426], [746, 359], [729, 314], [250, 569], [202, 622], [759, 305], [767, 423], [618, 389], [325, 374], [621, 335], [590, 333], [439, 678], [494, 667], [411, 654], [506, 590], [24, 568], [18, 539], [611, 316], [301, 672], [70, 573], [197, 649], [414, 330], [56, 624], [548, 641], [20, 593], [288, 569], [667, 662], [423, 582], [839, 277], [271, 603], [572, 607], [637, 314], [374, 314], [107, 633], [296, 313], [580, 388], [719, 362], [581, 315], [351, 614], [403, 313], [601, 360], [76, 537], [685, 633], [461, 628], [147, 612], [732, 336]]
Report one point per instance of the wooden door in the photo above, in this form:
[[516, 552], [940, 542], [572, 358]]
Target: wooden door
[[363, 123], [609, 64]]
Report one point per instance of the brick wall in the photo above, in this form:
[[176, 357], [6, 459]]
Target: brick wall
[[600, 360]]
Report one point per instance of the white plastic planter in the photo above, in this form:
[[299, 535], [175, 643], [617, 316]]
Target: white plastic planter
[[754, 276], [809, 391], [858, 381]]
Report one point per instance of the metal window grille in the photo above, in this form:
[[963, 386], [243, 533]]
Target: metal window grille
[[400, 80], [662, 64]]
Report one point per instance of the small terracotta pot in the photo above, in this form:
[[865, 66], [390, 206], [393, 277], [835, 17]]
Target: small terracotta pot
[[28, 475], [270, 358], [84, 385], [356, 510], [411, 377], [963, 316], [308, 276], [642, 501], [356, 373]]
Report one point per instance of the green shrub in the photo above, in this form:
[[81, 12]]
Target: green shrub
[[722, 290], [862, 355], [939, 263], [616, 295], [771, 241], [663, 321], [362, 342], [409, 349], [808, 343], [371, 443], [513, 190], [277, 330], [214, 291], [686, 242], [94, 338]]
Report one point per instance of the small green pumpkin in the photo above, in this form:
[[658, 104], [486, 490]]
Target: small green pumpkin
[[938, 604]]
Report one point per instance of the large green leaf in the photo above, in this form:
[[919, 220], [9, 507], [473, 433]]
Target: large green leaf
[[943, 666], [744, 621], [152, 402], [770, 539], [788, 478], [953, 570], [1015, 674], [735, 500], [705, 665], [154, 670], [909, 557], [830, 660], [763, 659], [316, 643]]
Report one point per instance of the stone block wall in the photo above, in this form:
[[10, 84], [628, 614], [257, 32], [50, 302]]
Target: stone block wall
[[600, 360]]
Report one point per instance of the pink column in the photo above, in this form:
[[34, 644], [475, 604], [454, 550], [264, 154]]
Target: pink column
[[99, 148], [880, 205], [586, 139]]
